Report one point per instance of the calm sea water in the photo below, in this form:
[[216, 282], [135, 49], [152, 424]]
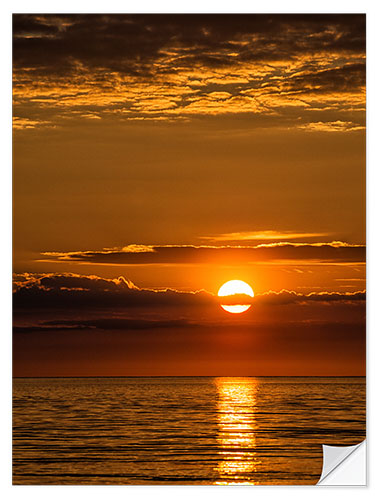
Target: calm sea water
[[181, 430]]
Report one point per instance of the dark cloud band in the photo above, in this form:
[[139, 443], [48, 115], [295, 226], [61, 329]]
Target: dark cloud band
[[67, 291], [137, 254]]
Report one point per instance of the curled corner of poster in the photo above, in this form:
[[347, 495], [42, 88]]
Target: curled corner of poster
[[344, 465]]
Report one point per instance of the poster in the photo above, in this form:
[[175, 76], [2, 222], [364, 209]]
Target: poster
[[189, 247]]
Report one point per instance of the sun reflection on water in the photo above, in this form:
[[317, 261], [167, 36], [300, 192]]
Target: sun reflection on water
[[237, 427]]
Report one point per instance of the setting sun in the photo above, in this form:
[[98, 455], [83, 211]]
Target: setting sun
[[234, 287]]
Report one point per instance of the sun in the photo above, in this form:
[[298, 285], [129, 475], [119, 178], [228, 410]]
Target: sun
[[231, 288]]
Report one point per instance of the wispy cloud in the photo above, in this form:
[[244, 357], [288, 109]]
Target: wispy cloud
[[263, 235], [336, 126], [27, 123]]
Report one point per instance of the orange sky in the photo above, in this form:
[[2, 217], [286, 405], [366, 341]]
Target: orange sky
[[180, 152]]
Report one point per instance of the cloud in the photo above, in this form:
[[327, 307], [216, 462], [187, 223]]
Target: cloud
[[76, 292], [173, 67], [285, 297], [334, 252], [105, 324], [139, 324], [337, 126], [130, 42], [262, 235], [26, 123]]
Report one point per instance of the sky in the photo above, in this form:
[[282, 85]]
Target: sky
[[157, 157]]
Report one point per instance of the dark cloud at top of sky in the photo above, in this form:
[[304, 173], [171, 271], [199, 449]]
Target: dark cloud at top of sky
[[170, 66], [130, 42]]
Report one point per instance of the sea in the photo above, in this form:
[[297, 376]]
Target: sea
[[182, 430]]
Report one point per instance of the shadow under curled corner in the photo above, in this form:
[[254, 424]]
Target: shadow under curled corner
[[344, 465]]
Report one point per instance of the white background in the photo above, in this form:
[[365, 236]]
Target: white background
[[182, 6]]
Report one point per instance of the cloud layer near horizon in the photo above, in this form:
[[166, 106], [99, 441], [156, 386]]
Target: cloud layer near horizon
[[75, 291]]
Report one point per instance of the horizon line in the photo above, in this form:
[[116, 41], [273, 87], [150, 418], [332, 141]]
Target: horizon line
[[191, 376]]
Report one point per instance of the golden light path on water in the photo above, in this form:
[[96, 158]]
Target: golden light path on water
[[237, 427]]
